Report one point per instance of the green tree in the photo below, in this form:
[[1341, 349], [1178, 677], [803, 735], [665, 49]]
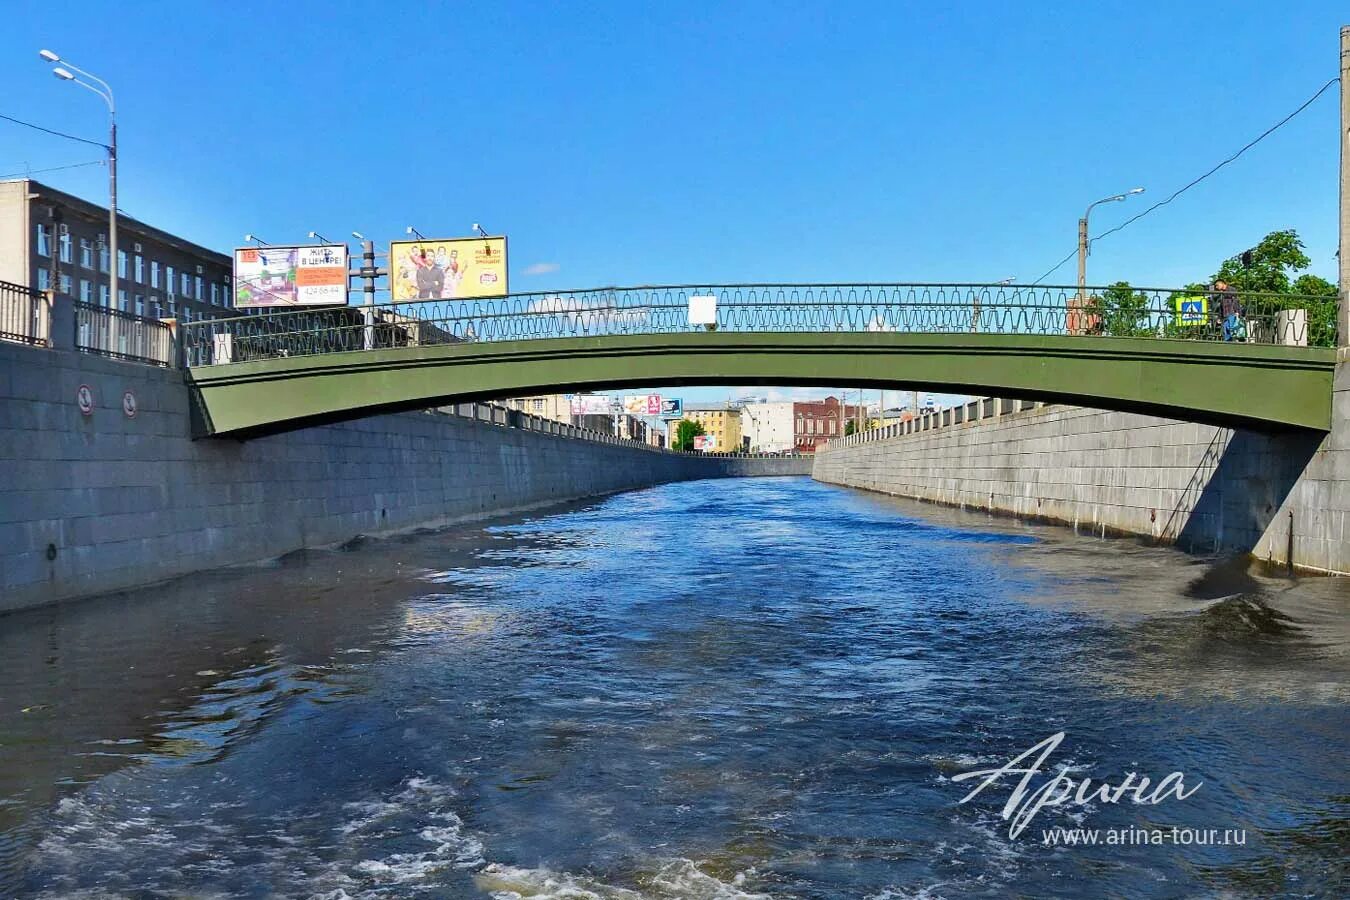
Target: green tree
[[850, 427], [685, 433], [1266, 284], [1123, 312]]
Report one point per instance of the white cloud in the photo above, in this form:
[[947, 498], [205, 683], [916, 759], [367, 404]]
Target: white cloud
[[542, 268]]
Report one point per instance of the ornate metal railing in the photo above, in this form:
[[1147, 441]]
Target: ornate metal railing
[[23, 314], [919, 308], [121, 335]]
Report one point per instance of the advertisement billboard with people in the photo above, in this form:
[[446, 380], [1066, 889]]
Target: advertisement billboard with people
[[451, 269]]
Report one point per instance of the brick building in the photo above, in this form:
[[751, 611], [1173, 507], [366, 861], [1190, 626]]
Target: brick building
[[817, 421]]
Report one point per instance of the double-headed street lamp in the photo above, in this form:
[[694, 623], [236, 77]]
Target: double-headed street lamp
[[1083, 240], [67, 71]]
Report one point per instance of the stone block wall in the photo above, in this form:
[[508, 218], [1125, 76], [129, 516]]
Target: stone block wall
[[105, 501], [1201, 487]]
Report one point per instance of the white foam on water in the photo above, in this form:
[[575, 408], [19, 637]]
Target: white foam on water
[[897, 893], [673, 879], [440, 827]]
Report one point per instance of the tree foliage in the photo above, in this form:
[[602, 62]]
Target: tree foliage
[[685, 433], [1121, 311], [1271, 269], [850, 427]]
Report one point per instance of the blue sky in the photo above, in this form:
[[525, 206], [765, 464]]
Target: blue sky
[[632, 143]]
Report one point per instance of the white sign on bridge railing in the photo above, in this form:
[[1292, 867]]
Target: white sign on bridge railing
[[703, 310]]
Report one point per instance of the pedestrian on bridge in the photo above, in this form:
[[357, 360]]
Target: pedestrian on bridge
[[1228, 311]]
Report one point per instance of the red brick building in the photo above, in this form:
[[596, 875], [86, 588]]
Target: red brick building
[[816, 421]]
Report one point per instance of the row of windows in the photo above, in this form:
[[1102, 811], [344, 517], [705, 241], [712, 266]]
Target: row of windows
[[134, 267], [138, 303], [817, 426]]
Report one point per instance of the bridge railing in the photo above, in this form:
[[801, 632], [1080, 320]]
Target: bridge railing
[[975, 410], [24, 314], [111, 332], [1120, 311], [497, 414]]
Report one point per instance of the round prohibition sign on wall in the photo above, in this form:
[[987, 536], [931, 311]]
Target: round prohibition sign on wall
[[84, 396], [129, 404]]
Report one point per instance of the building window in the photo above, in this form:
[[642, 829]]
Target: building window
[[197, 287], [225, 294], [140, 304], [67, 250], [86, 291], [44, 247], [86, 254], [154, 273], [64, 282], [122, 299], [103, 258], [103, 295], [140, 268], [215, 294], [187, 316], [168, 281], [44, 278], [121, 264], [187, 285]]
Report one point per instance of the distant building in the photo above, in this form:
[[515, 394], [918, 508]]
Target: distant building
[[768, 426], [557, 407], [721, 422], [51, 240], [631, 427], [817, 421], [896, 414]]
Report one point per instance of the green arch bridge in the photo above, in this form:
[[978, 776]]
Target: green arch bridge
[[1154, 351]]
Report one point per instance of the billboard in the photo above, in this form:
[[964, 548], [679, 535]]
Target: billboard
[[447, 269], [290, 276], [591, 404], [642, 404], [704, 442], [672, 407]]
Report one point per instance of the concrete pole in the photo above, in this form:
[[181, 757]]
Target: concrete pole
[[112, 214], [1343, 312], [1082, 262], [368, 275]]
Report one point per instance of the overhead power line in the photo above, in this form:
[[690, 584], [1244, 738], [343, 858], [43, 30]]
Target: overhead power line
[[95, 162], [1177, 193], [70, 137]]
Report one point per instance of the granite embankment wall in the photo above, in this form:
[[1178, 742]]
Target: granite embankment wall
[[1280, 497], [104, 501]]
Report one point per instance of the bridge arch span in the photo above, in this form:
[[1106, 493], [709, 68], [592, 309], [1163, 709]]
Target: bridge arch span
[[1261, 386]]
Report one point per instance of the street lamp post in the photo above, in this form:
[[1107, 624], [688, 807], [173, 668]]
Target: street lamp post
[[1083, 241], [66, 72]]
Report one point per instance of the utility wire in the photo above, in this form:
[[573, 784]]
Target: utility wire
[[96, 162], [50, 131], [1175, 194]]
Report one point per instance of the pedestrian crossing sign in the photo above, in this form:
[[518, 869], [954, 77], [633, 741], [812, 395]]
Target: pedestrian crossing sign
[[1191, 311]]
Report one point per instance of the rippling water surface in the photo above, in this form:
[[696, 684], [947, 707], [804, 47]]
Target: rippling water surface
[[717, 689]]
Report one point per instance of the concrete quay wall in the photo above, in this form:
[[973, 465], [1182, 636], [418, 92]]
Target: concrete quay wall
[[106, 501], [1280, 497]]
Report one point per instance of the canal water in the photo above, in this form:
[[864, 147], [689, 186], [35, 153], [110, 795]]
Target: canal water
[[717, 689]]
